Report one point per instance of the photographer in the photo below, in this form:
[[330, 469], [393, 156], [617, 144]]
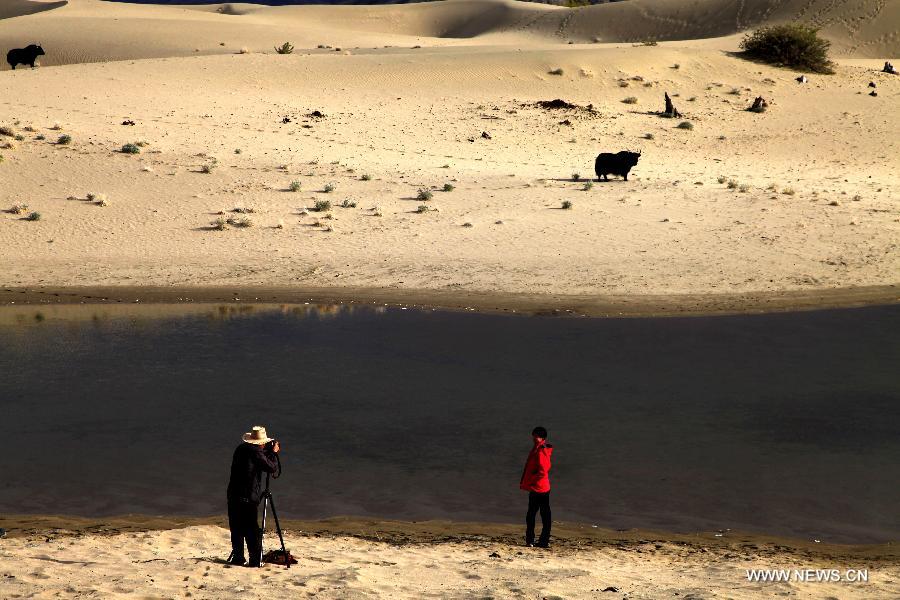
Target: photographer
[[257, 454]]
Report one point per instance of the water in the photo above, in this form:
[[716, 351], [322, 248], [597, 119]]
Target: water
[[782, 423]]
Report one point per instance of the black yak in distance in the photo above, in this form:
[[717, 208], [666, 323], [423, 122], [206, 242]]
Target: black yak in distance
[[619, 163], [24, 56]]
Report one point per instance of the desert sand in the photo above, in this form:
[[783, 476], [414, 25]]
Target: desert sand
[[47, 557], [406, 93]]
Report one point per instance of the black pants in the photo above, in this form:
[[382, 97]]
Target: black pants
[[243, 525], [538, 501]]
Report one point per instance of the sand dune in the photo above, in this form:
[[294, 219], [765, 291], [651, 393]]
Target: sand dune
[[818, 170], [118, 31]]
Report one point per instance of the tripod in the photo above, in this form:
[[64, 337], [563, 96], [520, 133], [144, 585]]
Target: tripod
[[267, 501]]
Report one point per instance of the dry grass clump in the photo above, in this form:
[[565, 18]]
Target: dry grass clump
[[588, 186], [567, 204], [788, 191], [722, 179], [98, 199], [376, 212], [18, 209], [744, 188], [323, 205], [448, 187], [7, 131], [686, 125], [295, 186], [64, 140], [348, 203], [220, 224], [329, 187], [242, 222], [243, 210], [365, 177], [423, 208], [209, 167], [630, 100], [732, 184], [130, 149], [424, 195]]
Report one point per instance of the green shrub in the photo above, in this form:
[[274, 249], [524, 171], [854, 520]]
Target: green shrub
[[588, 185], [576, 176], [630, 100], [348, 203], [285, 48], [295, 186], [422, 209], [131, 149], [329, 187], [449, 187], [366, 177], [556, 72], [686, 125], [7, 131], [722, 179], [64, 140], [792, 45], [323, 205], [424, 194], [35, 216], [566, 205]]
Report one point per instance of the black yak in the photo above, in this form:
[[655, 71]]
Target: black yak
[[24, 56], [617, 164]]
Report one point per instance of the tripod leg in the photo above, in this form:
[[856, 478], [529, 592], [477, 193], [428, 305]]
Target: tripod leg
[[287, 563], [262, 529]]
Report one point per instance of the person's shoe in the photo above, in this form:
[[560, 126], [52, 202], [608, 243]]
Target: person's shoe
[[542, 545], [237, 562], [253, 565]]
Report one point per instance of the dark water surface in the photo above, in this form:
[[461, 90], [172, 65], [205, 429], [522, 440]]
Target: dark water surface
[[782, 423]]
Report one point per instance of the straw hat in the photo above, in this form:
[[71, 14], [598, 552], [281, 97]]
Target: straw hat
[[257, 436]]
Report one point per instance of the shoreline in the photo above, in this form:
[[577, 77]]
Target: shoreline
[[458, 300], [567, 536]]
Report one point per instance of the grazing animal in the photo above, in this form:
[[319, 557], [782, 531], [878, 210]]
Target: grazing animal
[[24, 56], [616, 164]]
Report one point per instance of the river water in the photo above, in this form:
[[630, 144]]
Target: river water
[[782, 423]]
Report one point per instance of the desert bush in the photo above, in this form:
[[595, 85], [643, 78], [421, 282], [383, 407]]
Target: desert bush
[[18, 209], [566, 205], [348, 203], [243, 210], [788, 191], [623, 83], [422, 209], [424, 194], [467, 224], [791, 45], [648, 136], [448, 187], [209, 167], [7, 131], [323, 205], [244, 50], [40, 137], [588, 185], [676, 66], [285, 48], [20, 137], [576, 176], [630, 100], [556, 71], [64, 140], [35, 216], [686, 125], [329, 187], [744, 188], [649, 43], [295, 186], [376, 212], [131, 149], [732, 184], [735, 91], [366, 177], [722, 179]]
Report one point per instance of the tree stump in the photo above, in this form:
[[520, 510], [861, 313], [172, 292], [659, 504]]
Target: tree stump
[[759, 105], [671, 112]]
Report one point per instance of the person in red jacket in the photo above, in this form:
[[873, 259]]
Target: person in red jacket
[[536, 481]]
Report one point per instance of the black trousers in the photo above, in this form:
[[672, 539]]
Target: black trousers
[[243, 525], [538, 501]]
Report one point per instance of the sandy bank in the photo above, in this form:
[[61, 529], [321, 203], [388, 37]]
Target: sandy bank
[[355, 558]]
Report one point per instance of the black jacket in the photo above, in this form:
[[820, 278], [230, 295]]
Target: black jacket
[[247, 466]]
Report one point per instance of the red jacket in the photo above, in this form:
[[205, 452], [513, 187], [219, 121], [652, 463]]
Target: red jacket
[[535, 477]]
